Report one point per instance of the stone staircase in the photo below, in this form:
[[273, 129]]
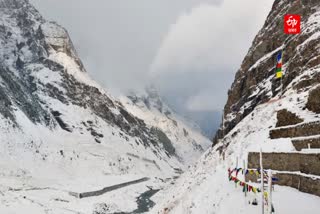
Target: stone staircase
[[300, 169]]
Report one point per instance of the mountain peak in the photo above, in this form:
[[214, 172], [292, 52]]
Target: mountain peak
[[55, 121]]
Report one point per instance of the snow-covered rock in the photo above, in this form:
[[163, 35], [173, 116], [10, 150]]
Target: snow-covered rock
[[255, 81], [60, 132], [186, 136], [251, 115]]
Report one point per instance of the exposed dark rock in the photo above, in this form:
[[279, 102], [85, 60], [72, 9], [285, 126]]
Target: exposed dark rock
[[185, 132], [62, 124], [313, 103], [307, 81], [175, 123], [164, 140], [197, 146], [19, 63], [286, 118], [18, 91], [96, 134]]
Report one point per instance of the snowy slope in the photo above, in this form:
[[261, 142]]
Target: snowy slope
[[61, 132], [251, 112], [186, 136], [205, 188]]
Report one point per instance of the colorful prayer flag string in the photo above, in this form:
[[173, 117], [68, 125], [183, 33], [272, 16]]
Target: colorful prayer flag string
[[251, 172], [246, 187]]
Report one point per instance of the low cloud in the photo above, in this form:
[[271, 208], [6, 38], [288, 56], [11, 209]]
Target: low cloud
[[205, 47], [211, 36], [202, 102], [117, 39], [189, 48]]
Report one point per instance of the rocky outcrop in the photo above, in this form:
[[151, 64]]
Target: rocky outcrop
[[56, 38], [313, 103], [18, 91], [286, 118], [254, 82], [165, 141]]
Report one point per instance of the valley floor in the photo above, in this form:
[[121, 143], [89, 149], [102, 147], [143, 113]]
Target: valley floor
[[31, 195], [215, 194]]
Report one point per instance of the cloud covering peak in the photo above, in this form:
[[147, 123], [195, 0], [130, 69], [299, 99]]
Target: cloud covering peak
[[203, 49], [211, 36]]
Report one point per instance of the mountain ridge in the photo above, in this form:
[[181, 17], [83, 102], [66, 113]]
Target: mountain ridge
[[61, 132]]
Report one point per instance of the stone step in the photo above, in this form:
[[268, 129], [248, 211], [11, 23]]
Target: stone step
[[308, 163], [300, 130], [300, 182], [300, 144]]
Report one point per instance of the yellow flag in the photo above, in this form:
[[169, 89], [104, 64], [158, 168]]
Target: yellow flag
[[279, 74], [254, 189]]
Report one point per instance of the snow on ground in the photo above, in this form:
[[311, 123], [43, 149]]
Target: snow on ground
[[39, 166], [54, 200], [205, 187], [41, 163]]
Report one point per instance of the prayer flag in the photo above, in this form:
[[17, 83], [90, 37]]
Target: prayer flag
[[279, 65]]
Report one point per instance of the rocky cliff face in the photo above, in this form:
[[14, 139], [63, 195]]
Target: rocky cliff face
[[61, 133], [284, 127], [39, 65], [185, 136], [255, 81]]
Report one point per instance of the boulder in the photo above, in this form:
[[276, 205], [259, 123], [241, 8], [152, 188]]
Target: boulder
[[313, 103]]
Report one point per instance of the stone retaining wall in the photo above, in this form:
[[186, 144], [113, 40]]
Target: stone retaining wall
[[303, 144], [306, 129], [299, 182], [306, 163]]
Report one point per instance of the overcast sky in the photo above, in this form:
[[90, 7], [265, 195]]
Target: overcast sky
[[190, 49]]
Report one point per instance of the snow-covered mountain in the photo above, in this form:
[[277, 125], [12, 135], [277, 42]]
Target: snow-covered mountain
[[62, 134], [185, 136], [284, 124]]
